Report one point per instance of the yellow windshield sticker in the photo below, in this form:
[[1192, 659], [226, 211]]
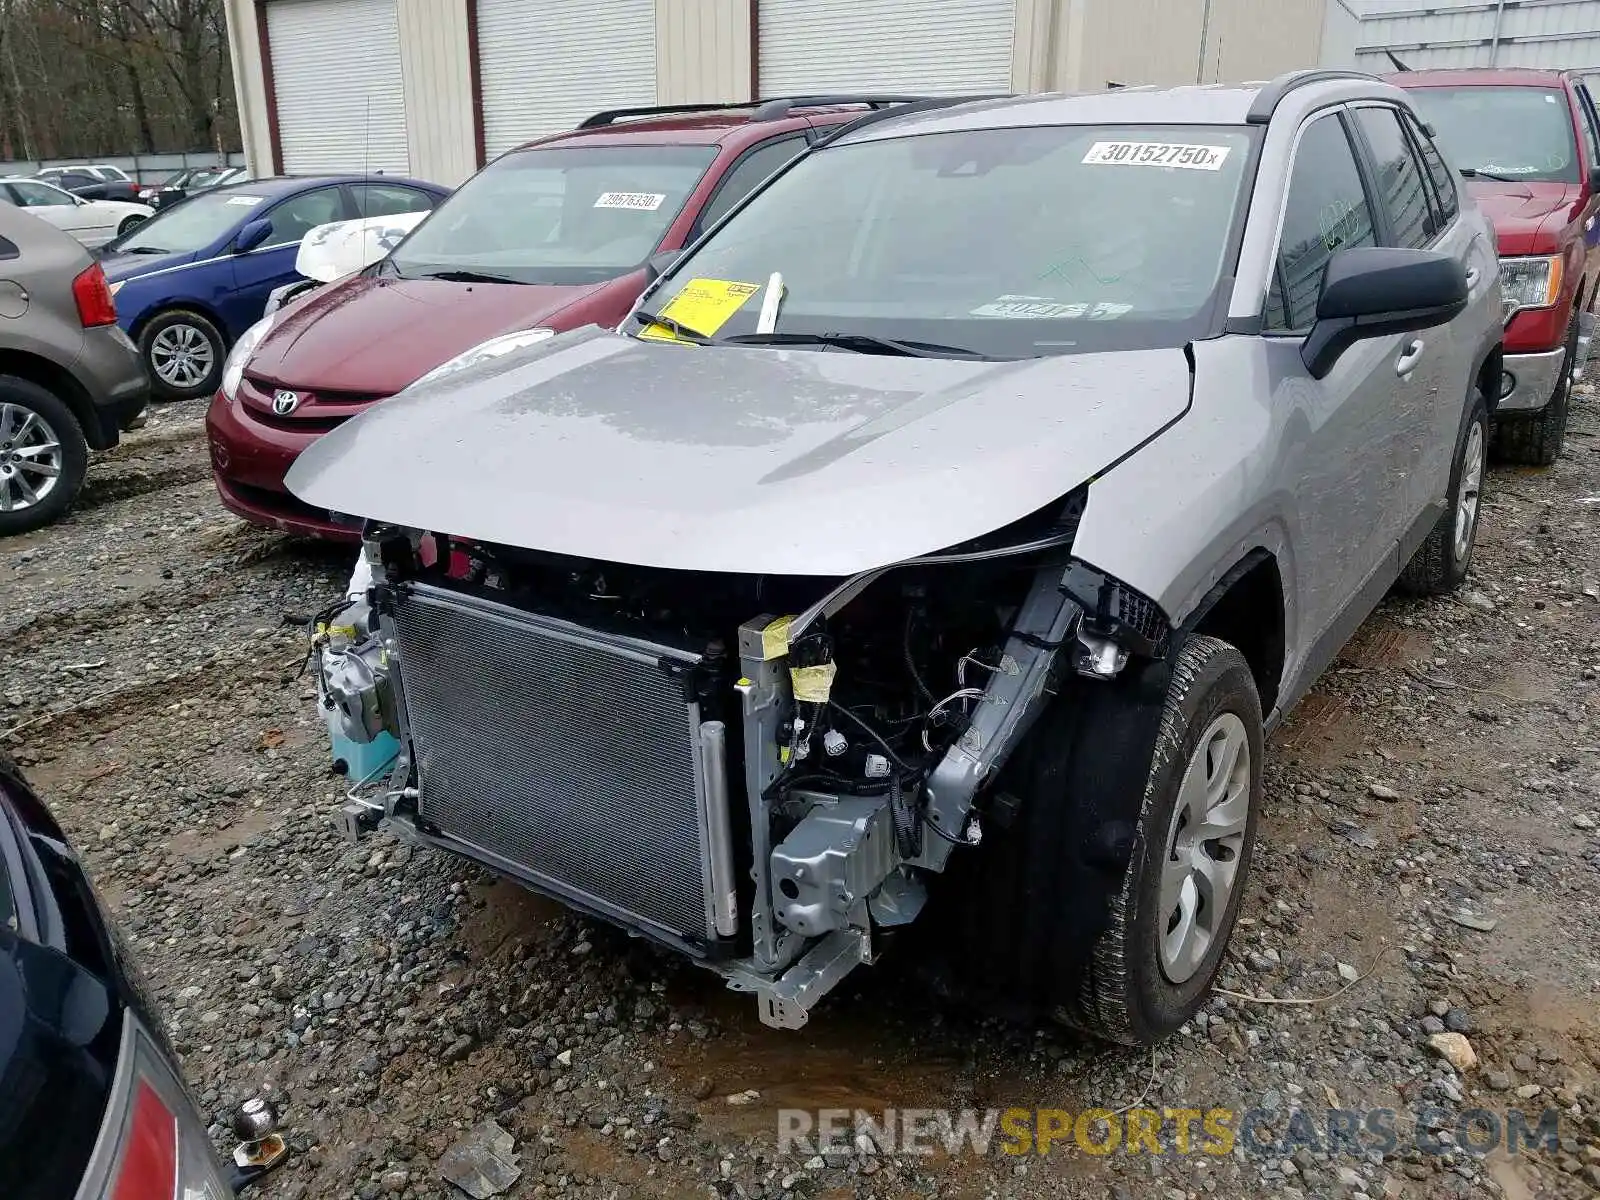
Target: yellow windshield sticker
[[704, 306]]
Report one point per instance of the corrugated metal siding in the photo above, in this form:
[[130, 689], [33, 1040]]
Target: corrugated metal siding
[[547, 66], [436, 67], [934, 46], [1532, 33], [336, 72], [702, 51]]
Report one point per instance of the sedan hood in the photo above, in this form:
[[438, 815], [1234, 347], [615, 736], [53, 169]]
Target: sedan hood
[[376, 336], [752, 460], [120, 267]]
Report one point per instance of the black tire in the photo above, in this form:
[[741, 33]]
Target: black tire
[[170, 376], [1440, 564], [1057, 914], [50, 412], [1536, 440], [129, 224]]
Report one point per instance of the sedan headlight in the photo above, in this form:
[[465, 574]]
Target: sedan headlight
[[233, 369], [1529, 283], [484, 351]]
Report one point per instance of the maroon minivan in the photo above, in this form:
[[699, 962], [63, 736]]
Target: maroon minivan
[[552, 236]]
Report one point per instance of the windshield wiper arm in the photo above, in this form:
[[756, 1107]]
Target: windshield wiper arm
[[862, 343], [467, 277], [147, 250], [675, 325], [1479, 173]]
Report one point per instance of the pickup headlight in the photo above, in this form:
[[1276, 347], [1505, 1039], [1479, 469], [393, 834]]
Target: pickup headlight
[[1529, 283], [233, 369], [484, 351]]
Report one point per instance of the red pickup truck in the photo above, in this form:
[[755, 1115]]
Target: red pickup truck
[[1528, 143]]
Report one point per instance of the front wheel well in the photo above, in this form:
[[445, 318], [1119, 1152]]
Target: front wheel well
[[1489, 375], [1245, 609], [192, 306]]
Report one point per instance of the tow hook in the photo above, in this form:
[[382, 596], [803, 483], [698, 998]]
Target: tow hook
[[261, 1147]]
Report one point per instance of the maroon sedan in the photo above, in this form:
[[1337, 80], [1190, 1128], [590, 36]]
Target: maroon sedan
[[550, 237]]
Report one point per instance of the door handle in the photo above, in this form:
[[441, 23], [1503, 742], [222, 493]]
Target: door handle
[[1472, 277], [1408, 358]]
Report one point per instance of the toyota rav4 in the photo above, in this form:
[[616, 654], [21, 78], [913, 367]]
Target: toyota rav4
[[936, 541]]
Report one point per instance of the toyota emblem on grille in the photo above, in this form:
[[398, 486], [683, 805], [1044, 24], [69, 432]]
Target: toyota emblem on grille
[[285, 402]]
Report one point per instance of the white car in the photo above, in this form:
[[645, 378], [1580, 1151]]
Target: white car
[[92, 222], [101, 171]]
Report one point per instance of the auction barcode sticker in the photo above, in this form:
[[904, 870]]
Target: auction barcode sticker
[[645, 201], [1157, 154]]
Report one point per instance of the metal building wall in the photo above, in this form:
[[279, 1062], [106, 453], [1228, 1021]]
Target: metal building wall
[[1478, 33], [436, 69], [703, 51]]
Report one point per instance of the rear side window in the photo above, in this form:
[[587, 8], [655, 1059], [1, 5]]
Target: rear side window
[[1442, 177], [1326, 211], [388, 199], [8, 249], [1400, 188]]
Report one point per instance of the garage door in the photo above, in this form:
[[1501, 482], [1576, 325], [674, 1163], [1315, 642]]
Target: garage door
[[934, 46], [544, 67], [336, 75]]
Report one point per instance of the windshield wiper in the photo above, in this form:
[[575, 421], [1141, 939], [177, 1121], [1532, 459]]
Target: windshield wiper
[[147, 250], [862, 343], [467, 277], [676, 326], [1479, 173]]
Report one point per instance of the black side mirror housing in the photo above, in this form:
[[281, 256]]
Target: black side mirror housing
[[252, 235], [1594, 179], [657, 265], [1374, 291]]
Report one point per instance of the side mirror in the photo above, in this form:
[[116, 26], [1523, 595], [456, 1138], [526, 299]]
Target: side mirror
[[1374, 291], [657, 265], [1594, 179], [252, 235]]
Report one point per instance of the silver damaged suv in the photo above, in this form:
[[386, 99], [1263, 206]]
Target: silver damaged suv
[[928, 555]]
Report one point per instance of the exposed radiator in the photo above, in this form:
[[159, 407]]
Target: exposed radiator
[[572, 755]]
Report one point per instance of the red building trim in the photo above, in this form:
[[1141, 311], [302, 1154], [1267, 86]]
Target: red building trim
[[264, 49], [475, 79]]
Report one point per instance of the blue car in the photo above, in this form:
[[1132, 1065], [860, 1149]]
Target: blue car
[[194, 277]]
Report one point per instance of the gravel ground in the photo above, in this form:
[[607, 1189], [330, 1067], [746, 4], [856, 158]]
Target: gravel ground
[[1430, 831]]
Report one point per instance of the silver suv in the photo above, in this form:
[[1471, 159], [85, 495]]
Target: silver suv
[[70, 380], [935, 543]]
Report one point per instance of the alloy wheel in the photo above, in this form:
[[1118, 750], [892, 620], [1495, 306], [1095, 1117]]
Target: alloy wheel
[[1203, 847], [182, 356], [30, 458], [1470, 490]]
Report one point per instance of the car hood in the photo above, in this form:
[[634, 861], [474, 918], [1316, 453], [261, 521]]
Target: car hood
[[376, 336], [119, 267], [1517, 210], [733, 459]]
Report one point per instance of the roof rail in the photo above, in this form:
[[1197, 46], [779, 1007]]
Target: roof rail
[[770, 108], [1269, 97], [926, 104], [780, 106]]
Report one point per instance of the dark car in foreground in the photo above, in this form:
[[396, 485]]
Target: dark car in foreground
[[1528, 143], [92, 1105], [70, 380], [189, 182], [194, 277], [552, 236]]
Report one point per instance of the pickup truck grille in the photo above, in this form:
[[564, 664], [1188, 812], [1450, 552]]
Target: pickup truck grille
[[571, 755]]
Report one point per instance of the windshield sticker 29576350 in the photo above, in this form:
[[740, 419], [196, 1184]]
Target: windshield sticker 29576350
[[1157, 154], [1043, 308], [643, 201]]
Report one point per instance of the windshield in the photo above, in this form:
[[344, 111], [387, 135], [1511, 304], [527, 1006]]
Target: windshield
[[1009, 243], [192, 225], [561, 215], [1522, 133]]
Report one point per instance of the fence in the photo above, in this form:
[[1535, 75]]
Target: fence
[[146, 168]]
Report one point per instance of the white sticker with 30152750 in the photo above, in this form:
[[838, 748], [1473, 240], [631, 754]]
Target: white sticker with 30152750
[[1157, 154]]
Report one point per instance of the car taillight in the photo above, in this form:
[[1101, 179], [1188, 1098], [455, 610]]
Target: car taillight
[[149, 1167], [96, 306]]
